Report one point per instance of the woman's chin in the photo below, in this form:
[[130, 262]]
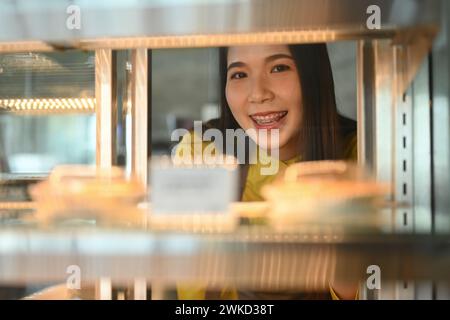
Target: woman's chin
[[267, 139], [271, 144]]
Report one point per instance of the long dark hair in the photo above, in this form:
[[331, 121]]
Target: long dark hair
[[323, 129]]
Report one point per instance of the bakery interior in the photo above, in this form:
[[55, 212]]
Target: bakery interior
[[91, 206]]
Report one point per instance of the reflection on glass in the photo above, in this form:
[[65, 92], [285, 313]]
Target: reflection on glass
[[47, 111]]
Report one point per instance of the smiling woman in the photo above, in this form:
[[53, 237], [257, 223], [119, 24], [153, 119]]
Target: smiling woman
[[284, 88]]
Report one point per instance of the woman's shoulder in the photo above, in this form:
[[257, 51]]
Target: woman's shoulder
[[192, 142]]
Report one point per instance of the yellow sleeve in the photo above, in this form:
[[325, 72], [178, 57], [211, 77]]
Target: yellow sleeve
[[334, 295], [250, 194], [198, 292], [191, 146], [192, 292]]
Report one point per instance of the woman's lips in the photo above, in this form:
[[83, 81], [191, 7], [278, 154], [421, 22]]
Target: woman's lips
[[268, 120]]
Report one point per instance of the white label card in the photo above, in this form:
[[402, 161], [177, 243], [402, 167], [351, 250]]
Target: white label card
[[192, 190]]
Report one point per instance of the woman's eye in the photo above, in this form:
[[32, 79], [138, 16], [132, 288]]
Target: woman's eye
[[280, 68], [238, 75]]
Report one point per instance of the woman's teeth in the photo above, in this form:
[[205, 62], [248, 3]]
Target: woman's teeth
[[269, 118]]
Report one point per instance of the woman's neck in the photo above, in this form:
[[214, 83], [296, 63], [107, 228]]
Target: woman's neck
[[288, 151]]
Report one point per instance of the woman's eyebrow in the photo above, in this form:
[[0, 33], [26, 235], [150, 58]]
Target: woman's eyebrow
[[268, 59], [278, 56], [235, 65]]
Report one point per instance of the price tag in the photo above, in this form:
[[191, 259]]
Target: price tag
[[192, 190]]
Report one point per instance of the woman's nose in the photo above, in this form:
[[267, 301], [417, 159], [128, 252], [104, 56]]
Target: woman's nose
[[260, 91]]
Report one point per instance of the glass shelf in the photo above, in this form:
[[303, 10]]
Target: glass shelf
[[255, 257]]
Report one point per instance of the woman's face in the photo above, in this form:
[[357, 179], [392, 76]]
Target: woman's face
[[263, 92]]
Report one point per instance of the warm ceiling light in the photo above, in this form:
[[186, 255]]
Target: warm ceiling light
[[59, 104]]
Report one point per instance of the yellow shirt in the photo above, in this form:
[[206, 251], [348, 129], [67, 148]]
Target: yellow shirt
[[191, 145]]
